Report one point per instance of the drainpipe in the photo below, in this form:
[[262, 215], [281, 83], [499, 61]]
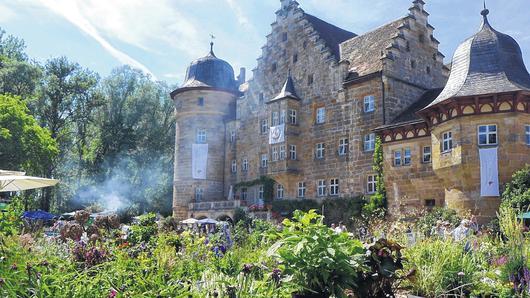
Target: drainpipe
[[383, 97]]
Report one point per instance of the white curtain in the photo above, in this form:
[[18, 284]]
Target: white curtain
[[489, 173], [277, 134], [199, 161]]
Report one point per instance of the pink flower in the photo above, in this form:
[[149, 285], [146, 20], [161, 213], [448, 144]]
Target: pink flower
[[112, 293]]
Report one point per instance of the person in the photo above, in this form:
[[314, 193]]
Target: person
[[473, 224], [438, 230], [462, 231], [343, 228], [333, 226]]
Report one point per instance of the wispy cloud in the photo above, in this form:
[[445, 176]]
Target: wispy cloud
[[72, 12], [6, 13], [242, 19]]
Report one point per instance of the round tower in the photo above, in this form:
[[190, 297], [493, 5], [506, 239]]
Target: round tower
[[203, 104]]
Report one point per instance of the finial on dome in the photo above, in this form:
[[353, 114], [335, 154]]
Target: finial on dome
[[485, 11], [211, 44]]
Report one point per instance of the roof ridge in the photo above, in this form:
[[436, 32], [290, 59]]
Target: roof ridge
[[377, 28]]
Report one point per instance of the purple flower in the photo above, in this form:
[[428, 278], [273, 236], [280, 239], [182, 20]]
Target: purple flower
[[247, 268], [276, 276], [14, 266], [112, 293]]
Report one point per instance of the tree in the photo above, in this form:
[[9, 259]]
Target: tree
[[517, 191], [24, 145], [377, 201]]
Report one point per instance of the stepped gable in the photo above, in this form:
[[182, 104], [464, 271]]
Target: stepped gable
[[489, 62], [365, 52], [332, 35]]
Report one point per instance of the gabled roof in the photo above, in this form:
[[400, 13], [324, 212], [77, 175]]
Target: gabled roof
[[489, 62], [364, 52], [331, 34]]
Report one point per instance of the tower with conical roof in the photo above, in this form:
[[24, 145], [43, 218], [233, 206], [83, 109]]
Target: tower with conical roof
[[203, 104]]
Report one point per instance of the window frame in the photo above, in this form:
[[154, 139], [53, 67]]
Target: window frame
[[369, 142], [344, 146], [283, 117], [371, 182], [244, 193], [264, 126], [292, 152], [264, 161], [200, 101], [199, 194], [301, 190], [321, 188], [334, 187], [245, 165], [282, 153], [233, 166], [487, 134], [201, 136], [447, 141], [407, 158], [280, 190], [370, 100], [261, 192], [275, 119], [320, 150], [424, 154], [395, 157], [320, 117], [527, 134], [292, 116], [274, 153], [232, 136]]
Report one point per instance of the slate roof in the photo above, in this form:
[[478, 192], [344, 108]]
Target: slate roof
[[409, 114], [489, 62], [332, 35], [364, 52], [287, 91]]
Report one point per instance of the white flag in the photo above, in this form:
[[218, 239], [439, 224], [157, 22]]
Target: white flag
[[277, 134], [489, 173], [199, 161]]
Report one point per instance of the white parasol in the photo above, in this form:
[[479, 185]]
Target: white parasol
[[17, 181], [189, 221]]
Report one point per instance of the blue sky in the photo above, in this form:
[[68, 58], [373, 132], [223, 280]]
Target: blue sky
[[163, 36]]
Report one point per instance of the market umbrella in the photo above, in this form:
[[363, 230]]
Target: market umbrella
[[189, 221], [525, 215], [10, 183], [208, 221]]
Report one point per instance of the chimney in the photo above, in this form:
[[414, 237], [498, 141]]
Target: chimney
[[241, 76]]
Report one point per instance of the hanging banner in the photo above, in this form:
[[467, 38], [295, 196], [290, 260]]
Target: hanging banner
[[199, 161], [489, 173], [277, 134]]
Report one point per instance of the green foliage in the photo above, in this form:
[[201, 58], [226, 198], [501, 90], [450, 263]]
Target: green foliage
[[145, 229], [345, 210], [426, 222], [316, 259], [286, 208], [24, 145], [377, 202], [268, 187], [10, 217], [517, 192]]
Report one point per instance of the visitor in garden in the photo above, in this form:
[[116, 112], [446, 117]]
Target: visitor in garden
[[438, 230], [463, 230]]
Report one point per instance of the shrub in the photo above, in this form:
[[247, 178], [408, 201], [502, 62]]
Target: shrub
[[517, 192], [145, 229], [10, 219], [426, 222]]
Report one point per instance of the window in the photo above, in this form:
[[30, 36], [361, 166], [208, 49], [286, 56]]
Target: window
[[282, 152], [447, 141], [527, 133], [282, 117], [426, 154], [292, 152], [295, 58], [260, 192], [320, 150], [334, 187], [292, 117], [245, 165], [430, 203], [310, 79], [234, 166], [201, 136], [275, 118], [371, 183], [321, 188], [200, 101], [264, 160], [261, 98], [273, 67], [397, 158], [284, 36], [428, 69], [369, 142], [413, 63], [487, 135], [232, 136], [301, 189], [244, 194], [274, 153], [369, 104], [343, 146], [264, 126], [279, 191], [321, 115], [407, 157], [199, 194]]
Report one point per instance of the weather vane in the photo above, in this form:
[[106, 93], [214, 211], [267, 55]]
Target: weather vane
[[212, 37]]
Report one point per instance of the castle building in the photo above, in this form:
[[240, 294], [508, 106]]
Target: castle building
[[309, 116]]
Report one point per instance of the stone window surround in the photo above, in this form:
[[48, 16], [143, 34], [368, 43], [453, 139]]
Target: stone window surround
[[397, 158], [280, 191], [369, 142], [292, 152], [283, 116], [264, 126], [264, 161], [301, 190], [320, 115], [275, 155], [488, 133], [321, 188], [234, 166], [344, 146], [320, 150], [245, 165], [371, 182], [334, 187], [201, 136], [369, 104], [275, 118], [447, 142], [199, 194], [232, 136], [407, 156], [425, 154], [282, 154], [261, 192], [292, 117]]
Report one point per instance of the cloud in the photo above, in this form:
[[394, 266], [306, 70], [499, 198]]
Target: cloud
[[71, 11], [242, 19], [6, 14]]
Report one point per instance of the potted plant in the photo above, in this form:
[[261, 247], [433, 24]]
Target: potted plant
[[317, 261]]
